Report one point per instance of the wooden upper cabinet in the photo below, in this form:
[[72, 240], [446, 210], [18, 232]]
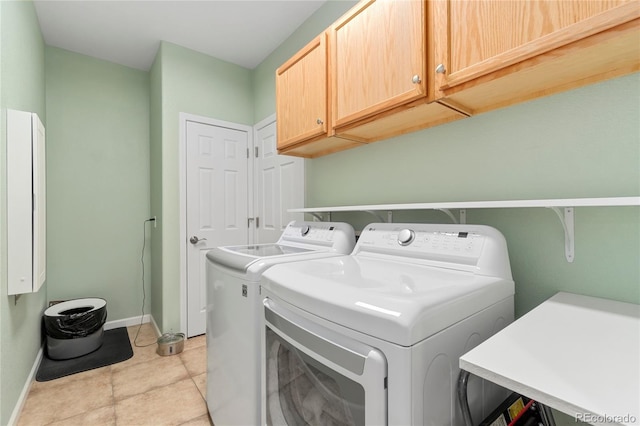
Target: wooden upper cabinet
[[390, 67], [302, 103], [378, 49], [496, 52], [379, 55]]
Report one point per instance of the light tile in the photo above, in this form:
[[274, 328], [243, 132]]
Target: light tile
[[169, 405], [195, 342], [158, 386], [200, 421], [142, 377], [195, 360], [105, 416], [201, 382], [48, 404]]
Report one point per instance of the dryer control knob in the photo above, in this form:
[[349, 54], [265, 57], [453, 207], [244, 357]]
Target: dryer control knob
[[305, 230], [406, 237]]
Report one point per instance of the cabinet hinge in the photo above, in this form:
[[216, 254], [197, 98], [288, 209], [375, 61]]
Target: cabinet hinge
[[256, 149], [247, 152]]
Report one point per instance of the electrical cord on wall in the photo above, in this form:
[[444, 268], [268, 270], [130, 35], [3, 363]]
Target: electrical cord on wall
[[144, 293]]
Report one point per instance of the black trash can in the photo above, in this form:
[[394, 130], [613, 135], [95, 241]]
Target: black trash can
[[74, 328]]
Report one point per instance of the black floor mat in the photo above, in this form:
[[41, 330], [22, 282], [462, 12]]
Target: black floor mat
[[116, 347]]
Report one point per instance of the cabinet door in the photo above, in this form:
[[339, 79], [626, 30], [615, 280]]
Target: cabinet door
[[480, 38], [26, 197], [301, 95], [378, 58]]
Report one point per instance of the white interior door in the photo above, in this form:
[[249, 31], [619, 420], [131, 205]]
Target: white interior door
[[279, 184], [216, 205]]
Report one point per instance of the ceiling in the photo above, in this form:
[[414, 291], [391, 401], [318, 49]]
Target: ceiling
[[243, 32]]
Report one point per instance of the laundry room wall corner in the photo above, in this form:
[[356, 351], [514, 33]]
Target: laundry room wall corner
[[184, 81], [155, 186]]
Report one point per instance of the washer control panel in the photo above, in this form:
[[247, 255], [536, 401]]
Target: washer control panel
[[336, 235], [479, 249], [416, 242], [310, 232]]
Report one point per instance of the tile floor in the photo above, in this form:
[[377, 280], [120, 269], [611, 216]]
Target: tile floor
[[146, 389]]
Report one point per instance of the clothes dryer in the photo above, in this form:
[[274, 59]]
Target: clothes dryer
[[374, 338], [234, 312]]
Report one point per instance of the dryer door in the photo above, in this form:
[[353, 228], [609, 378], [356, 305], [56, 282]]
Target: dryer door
[[315, 376]]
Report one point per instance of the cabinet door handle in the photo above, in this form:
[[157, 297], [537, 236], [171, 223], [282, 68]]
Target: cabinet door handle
[[440, 69], [416, 79], [319, 121]]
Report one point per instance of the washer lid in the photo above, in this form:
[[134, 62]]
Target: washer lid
[[241, 258], [400, 302], [298, 239], [264, 250]]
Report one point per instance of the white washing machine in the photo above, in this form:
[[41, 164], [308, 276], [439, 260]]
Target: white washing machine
[[234, 310], [374, 338]]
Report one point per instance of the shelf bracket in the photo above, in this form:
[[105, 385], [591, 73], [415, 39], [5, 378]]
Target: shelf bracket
[[374, 213], [448, 213], [318, 216], [566, 220], [463, 216]]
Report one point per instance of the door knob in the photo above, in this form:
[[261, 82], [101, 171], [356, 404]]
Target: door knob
[[196, 240]]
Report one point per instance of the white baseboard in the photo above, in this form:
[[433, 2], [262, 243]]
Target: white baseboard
[[155, 326], [25, 389], [127, 322]]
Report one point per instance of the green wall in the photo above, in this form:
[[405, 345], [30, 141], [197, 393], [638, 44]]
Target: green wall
[[190, 82], [582, 143], [22, 87], [98, 181]]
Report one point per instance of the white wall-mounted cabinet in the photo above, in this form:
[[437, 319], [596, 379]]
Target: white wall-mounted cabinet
[[26, 202]]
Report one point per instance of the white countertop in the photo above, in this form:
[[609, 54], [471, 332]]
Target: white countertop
[[576, 354]]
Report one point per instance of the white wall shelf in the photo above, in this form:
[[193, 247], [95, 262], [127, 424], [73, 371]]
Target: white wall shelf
[[566, 216]]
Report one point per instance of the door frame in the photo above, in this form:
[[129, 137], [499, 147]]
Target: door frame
[[183, 118]]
